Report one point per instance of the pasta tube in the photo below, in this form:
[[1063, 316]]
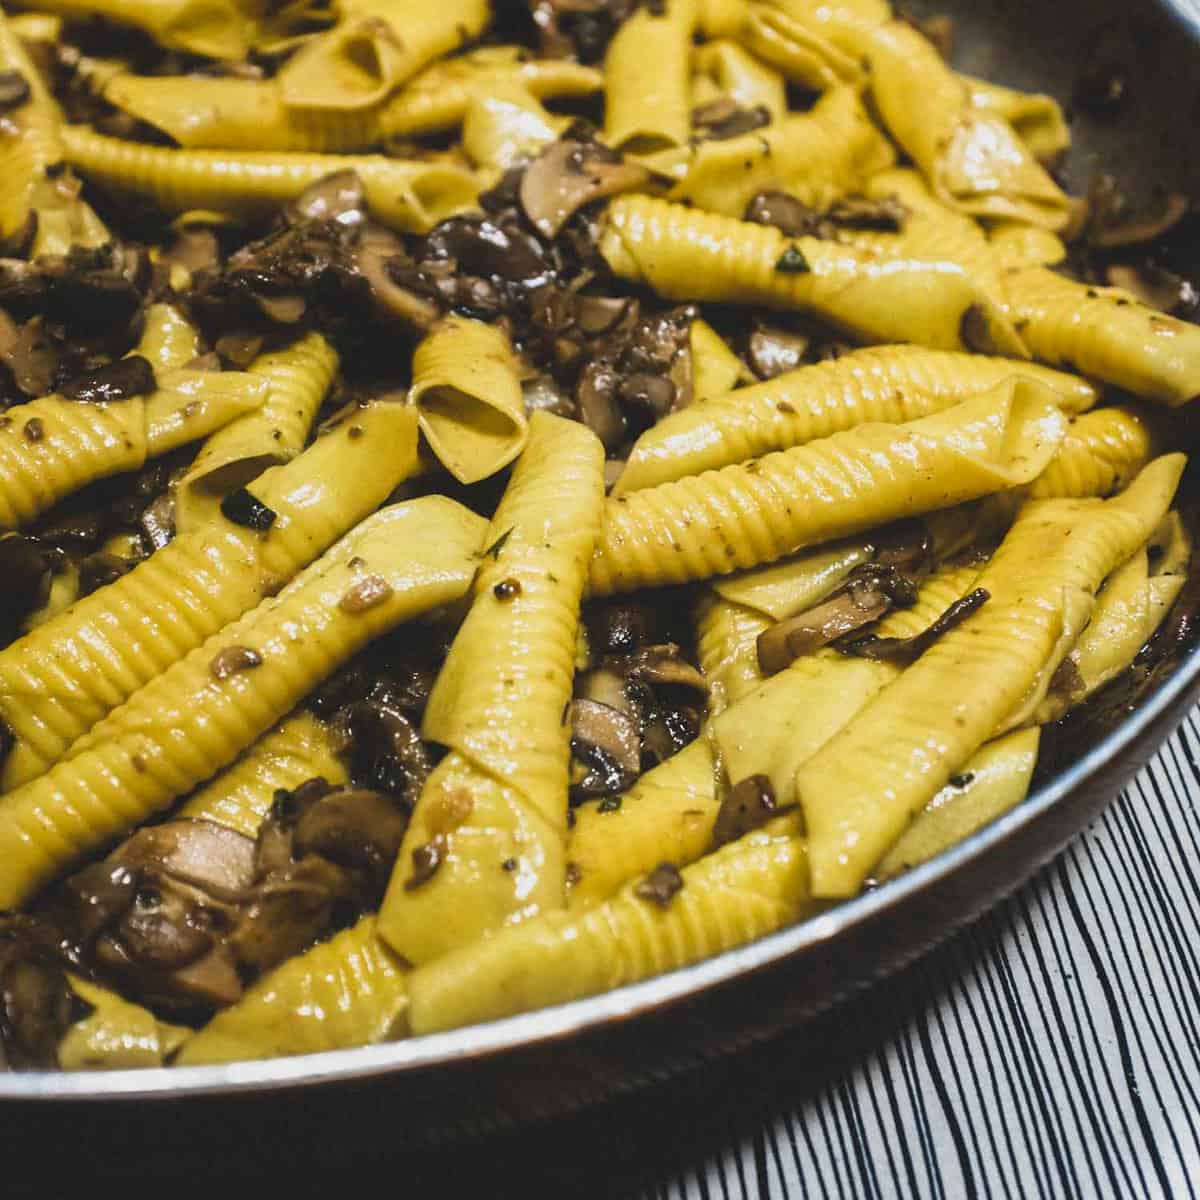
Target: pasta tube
[[740, 76], [1015, 244], [1101, 454], [801, 55], [249, 114], [377, 45], [213, 28], [1105, 333], [818, 156], [467, 392], [995, 779], [716, 370], [485, 845], [1036, 119], [971, 156], [743, 891], [861, 789], [410, 196], [684, 254], [61, 678], [349, 991], [205, 709], [298, 749], [741, 516], [507, 125], [892, 383], [116, 1035], [647, 98]]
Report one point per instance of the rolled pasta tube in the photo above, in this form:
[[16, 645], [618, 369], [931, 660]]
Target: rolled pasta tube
[[1035, 118], [169, 340], [467, 393], [818, 157], [250, 114], [1015, 244], [297, 378], [506, 126], [995, 779], [116, 1035], [861, 789], [53, 446], [348, 991], [493, 814], [197, 716], [410, 196], [740, 76], [719, 18], [744, 891], [716, 370], [741, 516], [647, 97], [892, 384], [669, 814], [726, 636], [36, 27], [971, 156], [298, 749], [1101, 454], [684, 254], [801, 55], [61, 678], [1105, 333], [377, 45], [212, 28]]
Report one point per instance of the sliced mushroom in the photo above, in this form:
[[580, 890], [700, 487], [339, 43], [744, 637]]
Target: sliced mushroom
[[842, 614], [772, 351], [568, 174], [1156, 287], [619, 627], [748, 805], [784, 212], [354, 828], [338, 197], [884, 215], [1111, 228], [377, 250], [31, 355], [596, 396], [386, 751], [724, 118], [26, 565], [905, 651], [609, 743], [663, 665]]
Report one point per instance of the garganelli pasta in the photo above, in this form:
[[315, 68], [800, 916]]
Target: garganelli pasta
[[496, 506]]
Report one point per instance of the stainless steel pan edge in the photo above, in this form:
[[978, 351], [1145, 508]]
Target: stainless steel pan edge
[[537, 1065]]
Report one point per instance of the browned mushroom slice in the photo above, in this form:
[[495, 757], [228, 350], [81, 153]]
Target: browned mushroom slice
[[338, 197], [1155, 286], [663, 666], [884, 215], [784, 212], [724, 118], [26, 565], [354, 828], [374, 255], [596, 395], [771, 350], [386, 751], [841, 614], [607, 741], [905, 651], [748, 805], [30, 354], [1111, 233], [569, 174]]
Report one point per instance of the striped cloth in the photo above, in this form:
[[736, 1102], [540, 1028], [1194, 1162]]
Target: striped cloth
[[1051, 1050]]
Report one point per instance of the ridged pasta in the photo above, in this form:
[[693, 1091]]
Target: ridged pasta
[[818, 156], [1102, 452], [971, 156], [500, 707], [377, 45], [741, 516], [647, 94], [298, 749], [193, 719], [1016, 244], [726, 636], [349, 991], [117, 1035], [410, 196], [862, 788], [467, 393], [56, 682], [995, 779], [683, 254], [507, 125], [1106, 333], [213, 28], [892, 384], [250, 114], [743, 891]]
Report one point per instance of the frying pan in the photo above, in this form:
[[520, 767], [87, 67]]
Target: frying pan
[[500, 1075]]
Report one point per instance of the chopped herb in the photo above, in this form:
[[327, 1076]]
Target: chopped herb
[[792, 262], [493, 551], [609, 804], [660, 886], [242, 508]]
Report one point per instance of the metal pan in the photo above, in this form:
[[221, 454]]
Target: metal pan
[[529, 1067]]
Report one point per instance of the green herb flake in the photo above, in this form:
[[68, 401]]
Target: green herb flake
[[792, 262]]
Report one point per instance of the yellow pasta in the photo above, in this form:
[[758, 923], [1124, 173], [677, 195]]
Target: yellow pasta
[[249, 114], [893, 383], [349, 991], [741, 892], [1101, 454], [860, 790], [116, 1035], [59, 680], [818, 156], [1016, 244], [684, 254], [716, 370], [995, 779], [492, 816], [741, 516], [198, 715], [410, 196], [298, 749], [377, 45], [971, 156], [742, 78], [506, 125], [1036, 119], [215, 28], [801, 55], [467, 393], [647, 98]]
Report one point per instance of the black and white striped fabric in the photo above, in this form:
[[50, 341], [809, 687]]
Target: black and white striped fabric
[[1051, 1050]]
